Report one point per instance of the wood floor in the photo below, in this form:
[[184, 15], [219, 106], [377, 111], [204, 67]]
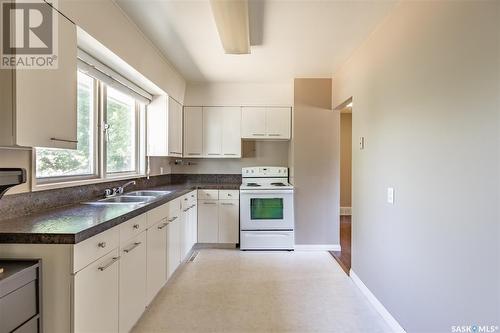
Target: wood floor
[[344, 257]]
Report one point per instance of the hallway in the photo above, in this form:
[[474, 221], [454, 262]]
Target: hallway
[[233, 291]]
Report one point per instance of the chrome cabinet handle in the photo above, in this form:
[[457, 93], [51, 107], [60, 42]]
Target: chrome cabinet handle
[[172, 219], [115, 259], [101, 245], [257, 134], [213, 154], [174, 152], [135, 226], [209, 203], [136, 244], [227, 204], [194, 154], [161, 226], [64, 140], [192, 206], [230, 154], [274, 134]]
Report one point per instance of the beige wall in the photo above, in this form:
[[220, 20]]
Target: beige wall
[[345, 159], [315, 163], [107, 23], [426, 95]]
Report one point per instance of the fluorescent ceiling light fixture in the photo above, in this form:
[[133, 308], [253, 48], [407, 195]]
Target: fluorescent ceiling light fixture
[[231, 19]]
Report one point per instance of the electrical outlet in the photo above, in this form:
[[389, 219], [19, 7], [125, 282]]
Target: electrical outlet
[[161, 170], [390, 195]]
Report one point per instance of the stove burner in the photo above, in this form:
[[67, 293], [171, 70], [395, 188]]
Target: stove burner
[[278, 184], [253, 184]]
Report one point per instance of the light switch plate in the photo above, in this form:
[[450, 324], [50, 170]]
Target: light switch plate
[[361, 142], [390, 195]]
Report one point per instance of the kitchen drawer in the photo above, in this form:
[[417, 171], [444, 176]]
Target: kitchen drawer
[[18, 306], [208, 194], [229, 195], [31, 326], [185, 202], [95, 247], [157, 214], [132, 228]]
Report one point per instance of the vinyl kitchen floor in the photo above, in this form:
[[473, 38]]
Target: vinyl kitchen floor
[[233, 291]]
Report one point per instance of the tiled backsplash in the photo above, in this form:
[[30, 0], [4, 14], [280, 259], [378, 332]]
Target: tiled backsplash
[[26, 203]]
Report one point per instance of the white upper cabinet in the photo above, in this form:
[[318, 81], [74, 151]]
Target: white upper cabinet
[[221, 132], [39, 106], [231, 132], [272, 123], [253, 123], [278, 123], [193, 131], [164, 127], [212, 131]]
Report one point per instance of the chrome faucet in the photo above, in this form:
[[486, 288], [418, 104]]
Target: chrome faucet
[[111, 192]]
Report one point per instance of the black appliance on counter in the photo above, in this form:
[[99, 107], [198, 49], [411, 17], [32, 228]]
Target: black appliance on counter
[[10, 177]]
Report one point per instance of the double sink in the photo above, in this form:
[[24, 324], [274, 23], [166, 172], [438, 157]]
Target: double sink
[[136, 197]]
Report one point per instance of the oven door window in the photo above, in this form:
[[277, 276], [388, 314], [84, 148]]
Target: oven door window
[[266, 209]]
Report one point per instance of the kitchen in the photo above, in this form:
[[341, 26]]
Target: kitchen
[[151, 188]]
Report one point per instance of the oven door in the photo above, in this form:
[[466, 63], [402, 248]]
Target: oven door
[[266, 210]]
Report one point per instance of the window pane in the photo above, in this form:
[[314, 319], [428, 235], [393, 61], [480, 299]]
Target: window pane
[[52, 162], [121, 133]]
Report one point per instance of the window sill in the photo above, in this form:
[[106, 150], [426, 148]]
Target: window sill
[[50, 186]]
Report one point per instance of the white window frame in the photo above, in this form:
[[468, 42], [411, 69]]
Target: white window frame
[[100, 174]]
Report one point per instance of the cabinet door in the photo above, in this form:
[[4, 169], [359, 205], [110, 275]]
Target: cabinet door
[[278, 123], [212, 131], [174, 128], [193, 131], [193, 218], [231, 132], [95, 301], [132, 281], [45, 100], [253, 122], [157, 120], [156, 259], [173, 243], [184, 235], [208, 221], [229, 213]]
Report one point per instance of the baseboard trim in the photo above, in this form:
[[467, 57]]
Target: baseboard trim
[[379, 307], [346, 211], [317, 247]]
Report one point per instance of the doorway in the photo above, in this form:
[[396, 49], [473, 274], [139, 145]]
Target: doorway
[[343, 257]]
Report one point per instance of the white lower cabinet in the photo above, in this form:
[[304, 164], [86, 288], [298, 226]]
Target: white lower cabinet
[[132, 281], [218, 220], [156, 259], [208, 221], [229, 212], [173, 246], [96, 289]]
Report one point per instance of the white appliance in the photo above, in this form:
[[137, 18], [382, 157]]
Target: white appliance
[[266, 209]]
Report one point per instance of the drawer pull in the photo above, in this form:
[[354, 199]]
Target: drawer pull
[[274, 134], [227, 204], [209, 203], [64, 140], [192, 206], [136, 244], [174, 152], [161, 226], [228, 154], [194, 154], [257, 134], [172, 219], [115, 259], [135, 226], [101, 245]]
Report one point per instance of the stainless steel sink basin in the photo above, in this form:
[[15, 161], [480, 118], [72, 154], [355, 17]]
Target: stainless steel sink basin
[[147, 193], [122, 199]]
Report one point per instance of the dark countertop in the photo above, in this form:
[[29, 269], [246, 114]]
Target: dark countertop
[[75, 223]]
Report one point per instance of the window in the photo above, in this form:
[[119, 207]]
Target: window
[[79, 162], [121, 118]]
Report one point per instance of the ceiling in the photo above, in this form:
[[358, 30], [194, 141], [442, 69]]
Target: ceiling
[[296, 38]]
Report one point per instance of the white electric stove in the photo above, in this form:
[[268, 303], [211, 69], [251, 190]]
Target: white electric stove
[[266, 209]]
